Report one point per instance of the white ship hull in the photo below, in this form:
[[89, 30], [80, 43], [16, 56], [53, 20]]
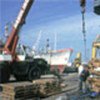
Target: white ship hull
[[58, 58]]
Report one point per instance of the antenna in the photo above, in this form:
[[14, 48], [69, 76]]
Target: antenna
[[6, 30], [36, 44], [47, 45], [55, 42]]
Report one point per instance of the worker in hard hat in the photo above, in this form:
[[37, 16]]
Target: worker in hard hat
[[83, 78]]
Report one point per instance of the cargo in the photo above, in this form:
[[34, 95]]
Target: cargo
[[47, 86], [18, 90]]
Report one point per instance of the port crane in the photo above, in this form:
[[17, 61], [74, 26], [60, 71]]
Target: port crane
[[96, 44], [97, 11], [9, 62]]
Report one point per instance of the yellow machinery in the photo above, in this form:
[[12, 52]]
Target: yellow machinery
[[95, 61], [96, 48], [77, 60]]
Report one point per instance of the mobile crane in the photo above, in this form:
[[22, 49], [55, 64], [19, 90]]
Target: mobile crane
[[9, 61]]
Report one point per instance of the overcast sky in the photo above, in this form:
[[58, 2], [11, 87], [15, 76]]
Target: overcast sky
[[62, 17]]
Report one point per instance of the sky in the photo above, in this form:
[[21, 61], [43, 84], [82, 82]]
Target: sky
[[61, 17]]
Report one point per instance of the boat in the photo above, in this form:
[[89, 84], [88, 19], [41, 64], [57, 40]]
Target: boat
[[58, 59]]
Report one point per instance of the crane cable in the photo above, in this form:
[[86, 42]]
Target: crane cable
[[82, 4]]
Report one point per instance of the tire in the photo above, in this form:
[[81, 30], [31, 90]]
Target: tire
[[34, 73], [4, 72], [43, 66]]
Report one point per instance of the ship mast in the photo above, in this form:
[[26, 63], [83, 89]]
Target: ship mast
[[55, 42], [36, 45]]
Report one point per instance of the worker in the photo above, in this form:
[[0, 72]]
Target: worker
[[83, 77], [95, 74], [80, 69]]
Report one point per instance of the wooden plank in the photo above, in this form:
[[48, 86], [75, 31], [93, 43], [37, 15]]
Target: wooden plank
[[11, 91]]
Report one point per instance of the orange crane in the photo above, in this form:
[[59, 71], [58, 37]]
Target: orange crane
[[9, 63], [12, 41]]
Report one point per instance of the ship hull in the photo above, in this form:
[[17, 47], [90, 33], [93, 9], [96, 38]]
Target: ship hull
[[57, 59]]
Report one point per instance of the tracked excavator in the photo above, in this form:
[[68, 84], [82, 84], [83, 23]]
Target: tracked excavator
[[10, 63]]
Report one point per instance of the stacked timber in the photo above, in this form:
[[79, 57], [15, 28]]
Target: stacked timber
[[94, 80], [18, 91], [47, 87]]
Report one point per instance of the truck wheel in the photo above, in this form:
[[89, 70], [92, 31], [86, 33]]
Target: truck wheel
[[20, 77], [34, 73], [4, 72]]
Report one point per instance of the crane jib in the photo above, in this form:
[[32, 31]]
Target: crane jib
[[12, 40], [23, 13]]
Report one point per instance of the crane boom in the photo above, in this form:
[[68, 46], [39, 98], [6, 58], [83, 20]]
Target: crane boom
[[12, 40]]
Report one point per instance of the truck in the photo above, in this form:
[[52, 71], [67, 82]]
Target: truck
[[10, 63]]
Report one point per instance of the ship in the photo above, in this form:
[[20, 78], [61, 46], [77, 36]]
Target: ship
[[57, 59]]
